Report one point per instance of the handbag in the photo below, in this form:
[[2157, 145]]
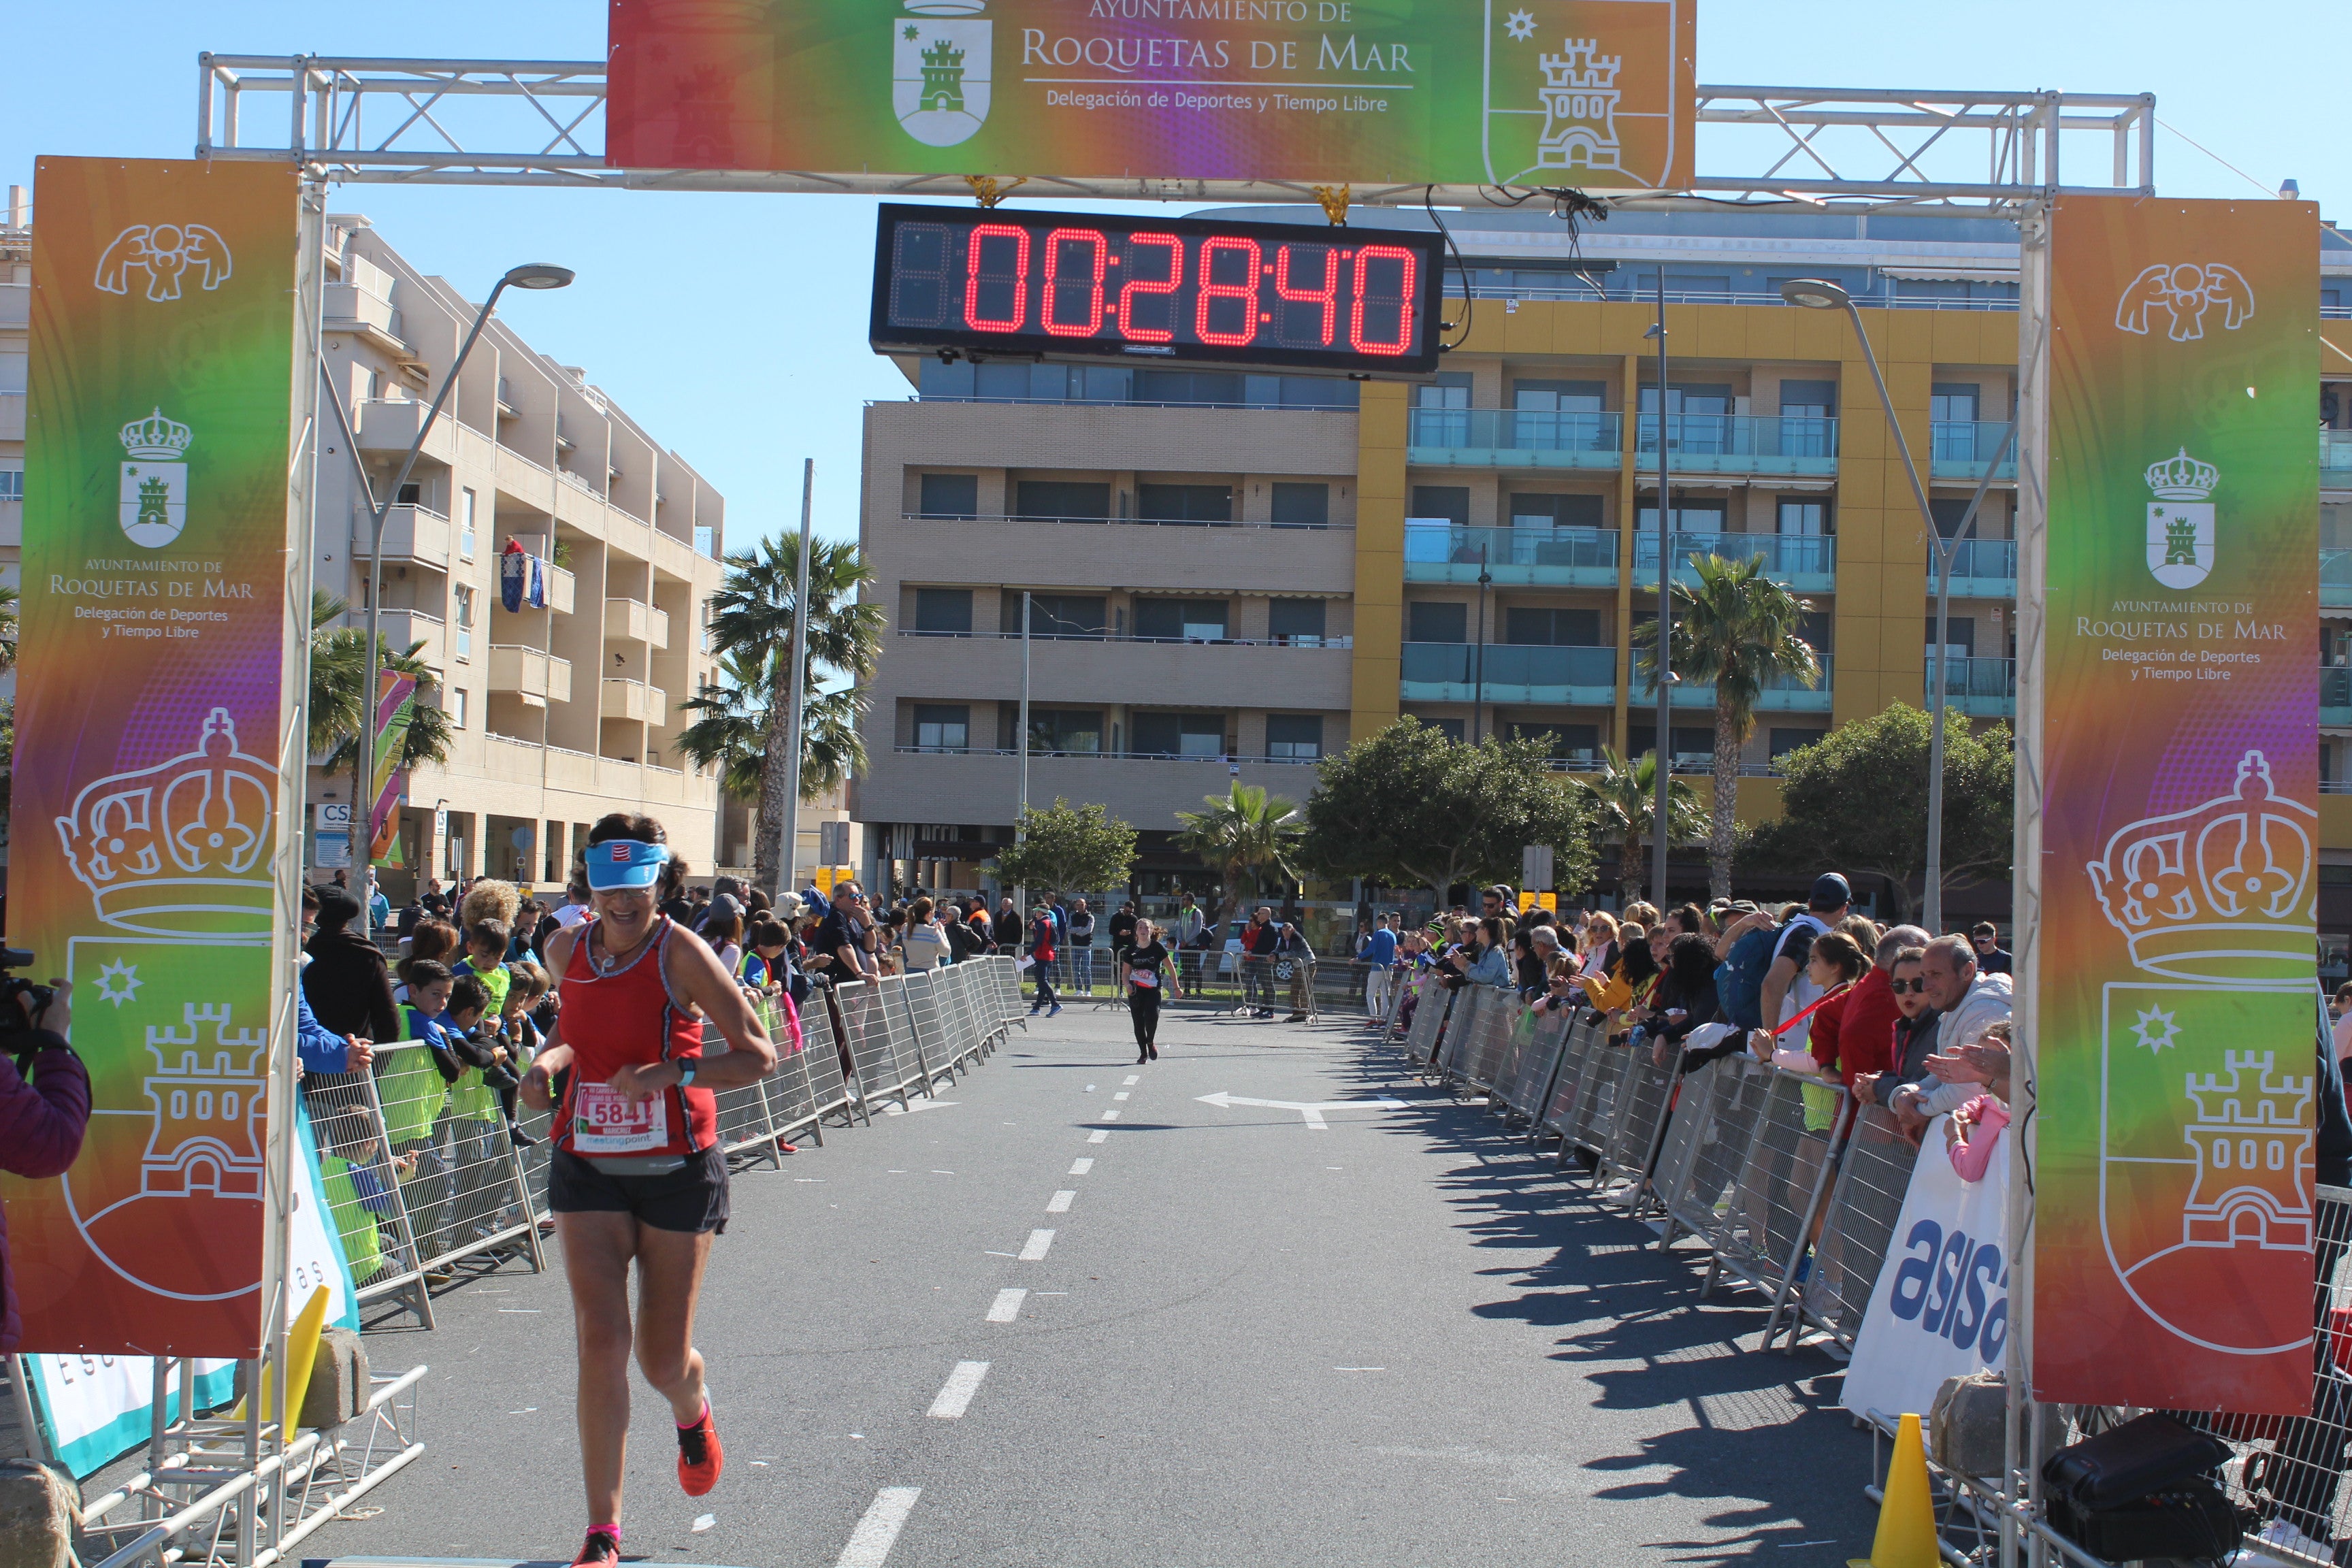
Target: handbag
[[2147, 1455], [2193, 1520]]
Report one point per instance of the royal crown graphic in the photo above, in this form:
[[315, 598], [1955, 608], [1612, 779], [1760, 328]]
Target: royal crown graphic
[[2182, 477], [2222, 891], [1580, 97], [208, 1101], [156, 437], [182, 847], [2251, 1153]]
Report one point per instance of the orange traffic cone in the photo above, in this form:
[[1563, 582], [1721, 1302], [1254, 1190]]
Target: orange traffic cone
[[1907, 1518]]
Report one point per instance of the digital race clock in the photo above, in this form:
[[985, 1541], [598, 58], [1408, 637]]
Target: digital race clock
[[1194, 291]]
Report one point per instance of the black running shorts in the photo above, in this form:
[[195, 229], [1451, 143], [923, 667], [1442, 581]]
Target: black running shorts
[[692, 1199]]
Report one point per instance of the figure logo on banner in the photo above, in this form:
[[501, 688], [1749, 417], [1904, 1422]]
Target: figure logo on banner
[[2180, 520], [2220, 897], [2184, 291], [940, 70], [1579, 99], [164, 252], [155, 484]]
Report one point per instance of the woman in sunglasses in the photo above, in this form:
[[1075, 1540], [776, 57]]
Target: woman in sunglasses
[[636, 1173]]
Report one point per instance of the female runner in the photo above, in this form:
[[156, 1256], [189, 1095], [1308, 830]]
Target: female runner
[[636, 1173], [1150, 979]]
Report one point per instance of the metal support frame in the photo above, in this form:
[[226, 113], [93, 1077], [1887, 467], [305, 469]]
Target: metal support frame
[[541, 123]]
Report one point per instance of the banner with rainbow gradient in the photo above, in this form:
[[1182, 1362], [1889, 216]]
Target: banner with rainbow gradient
[[151, 703], [2176, 1014], [1598, 94]]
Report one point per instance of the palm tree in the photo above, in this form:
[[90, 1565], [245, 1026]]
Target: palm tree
[[732, 733], [752, 619], [8, 627], [1737, 630], [339, 670], [1244, 833], [1624, 798]]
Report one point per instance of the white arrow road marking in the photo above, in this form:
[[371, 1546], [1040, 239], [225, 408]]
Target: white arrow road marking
[[955, 1395], [870, 1543], [1312, 1114]]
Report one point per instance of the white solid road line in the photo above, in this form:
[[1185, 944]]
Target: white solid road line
[[955, 1395], [1060, 1202], [1101, 1135], [1007, 1306], [1080, 1167], [870, 1543]]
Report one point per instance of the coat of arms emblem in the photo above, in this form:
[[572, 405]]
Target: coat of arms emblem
[[154, 495], [2180, 520], [940, 70]]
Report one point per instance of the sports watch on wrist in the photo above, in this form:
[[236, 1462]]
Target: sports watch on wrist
[[686, 1071]]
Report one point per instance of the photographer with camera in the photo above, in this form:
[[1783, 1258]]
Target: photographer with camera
[[44, 1102]]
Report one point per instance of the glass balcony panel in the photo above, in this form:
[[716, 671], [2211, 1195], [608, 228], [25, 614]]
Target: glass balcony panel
[[1960, 448], [2336, 577], [1983, 559], [1584, 440], [2335, 453], [1783, 554]]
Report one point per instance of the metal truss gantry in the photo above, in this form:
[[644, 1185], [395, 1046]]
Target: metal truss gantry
[[541, 123]]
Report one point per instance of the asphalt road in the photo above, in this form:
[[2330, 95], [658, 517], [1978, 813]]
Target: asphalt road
[[1400, 1340]]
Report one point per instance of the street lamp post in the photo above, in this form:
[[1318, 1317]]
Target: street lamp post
[[1821, 294], [531, 275], [789, 851], [1664, 770], [1478, 652]]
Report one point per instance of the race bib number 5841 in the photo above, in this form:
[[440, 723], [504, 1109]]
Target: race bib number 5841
[[603, 1122]]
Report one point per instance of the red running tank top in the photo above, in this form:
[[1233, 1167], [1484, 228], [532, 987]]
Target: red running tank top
[[627, 1018]]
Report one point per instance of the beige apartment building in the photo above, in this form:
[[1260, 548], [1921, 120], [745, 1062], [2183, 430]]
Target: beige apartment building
[[16, 349], [567, 706], [1235, 573]]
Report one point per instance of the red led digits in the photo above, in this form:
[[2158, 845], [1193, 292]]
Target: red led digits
[[1402, 300], [1149, 286], [1327, 295], [1211, 290], [975, 258], [1054, 286]]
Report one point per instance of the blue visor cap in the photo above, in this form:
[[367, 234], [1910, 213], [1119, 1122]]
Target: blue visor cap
[[625, 863]]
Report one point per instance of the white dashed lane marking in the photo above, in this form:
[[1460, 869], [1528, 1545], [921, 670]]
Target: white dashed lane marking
[[1060, 1202], [955, 1395], [1080, 1167], [1007, 1306], [870, 1543], [1035, 1251], [1101, 1136]]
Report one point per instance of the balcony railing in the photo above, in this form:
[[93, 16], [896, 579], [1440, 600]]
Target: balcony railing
[[2335, 695], [1959, 450], [416, 534], [1294, 639], [1438, 552], [1980, 568], [634, 699], [1124, 522], [1787, 557], [528, 672], [2336, 455], [1514, 437], [1509, 672], [1985, 688], [1037, 753], [1741, 443], [1782, 694], [2336, 577]]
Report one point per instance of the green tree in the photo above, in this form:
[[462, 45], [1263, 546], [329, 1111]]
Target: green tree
[[8, 627], [1068, 848], [1856, 801], [731, 732], [1624, 798], [751, 620], [1407, 808], [1244, 836], [1734, 629]]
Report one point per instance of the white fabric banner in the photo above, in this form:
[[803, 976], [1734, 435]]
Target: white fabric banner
[[1940, 1307]]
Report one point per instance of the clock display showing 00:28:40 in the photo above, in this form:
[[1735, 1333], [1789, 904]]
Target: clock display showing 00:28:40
[[1067, 284]]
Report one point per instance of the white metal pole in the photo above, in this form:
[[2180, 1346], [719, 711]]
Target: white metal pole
[[1021, 894], [788, 850], [1665, 753]]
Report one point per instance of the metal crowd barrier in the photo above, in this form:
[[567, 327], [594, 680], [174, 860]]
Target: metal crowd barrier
[[1871, 1180], [1422, 1040], [420, 1176]]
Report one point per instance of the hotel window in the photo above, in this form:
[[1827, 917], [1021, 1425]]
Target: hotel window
[[945, 611], [1808, 517], [942, 727], [1179, 734], [1301, 505], [12, 481], [457, 708], [465, 524], [950, 496], [461, 615], [1294, 737], [1297, 623]]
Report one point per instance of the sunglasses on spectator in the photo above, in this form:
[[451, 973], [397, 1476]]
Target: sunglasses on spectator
[[1917, 987]]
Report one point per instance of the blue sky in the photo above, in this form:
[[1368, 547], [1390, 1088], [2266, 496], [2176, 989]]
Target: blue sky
[[734, 326]]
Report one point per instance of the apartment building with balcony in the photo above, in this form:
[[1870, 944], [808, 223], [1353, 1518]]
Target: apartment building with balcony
[[16, 352], [565, 706], [1488, 543]]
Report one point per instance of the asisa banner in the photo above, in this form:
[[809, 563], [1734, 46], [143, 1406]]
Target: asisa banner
[[2175, 1010], [151, 703], [1940, 1307], [1593, 93]]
